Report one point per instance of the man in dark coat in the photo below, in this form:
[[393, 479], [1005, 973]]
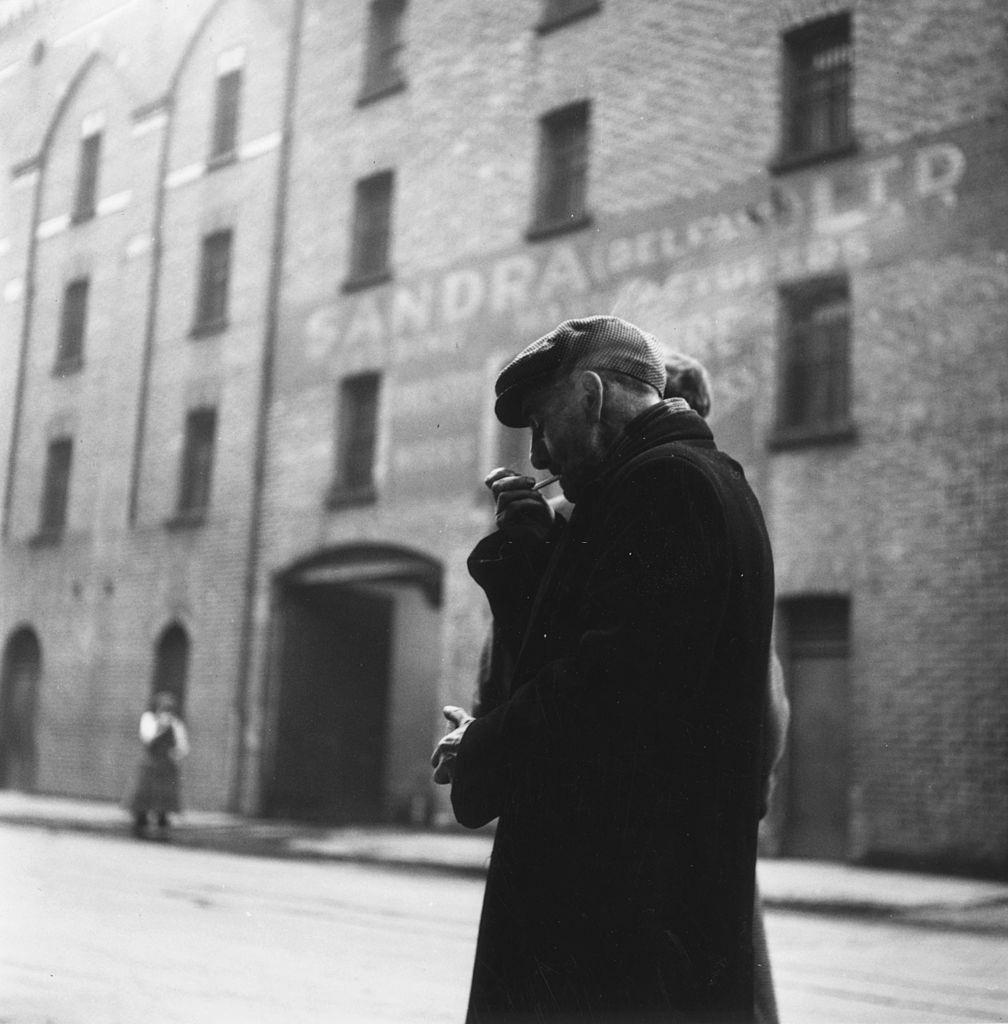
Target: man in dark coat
[[624, 764]]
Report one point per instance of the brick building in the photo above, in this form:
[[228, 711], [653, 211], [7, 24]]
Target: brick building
[[261, 262]]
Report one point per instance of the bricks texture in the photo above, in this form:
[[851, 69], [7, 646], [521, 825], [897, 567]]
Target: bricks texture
[[690, 235]]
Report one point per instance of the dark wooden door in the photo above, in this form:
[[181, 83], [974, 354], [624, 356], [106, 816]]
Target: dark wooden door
[[818, 780], [18, 699], [332, 722]]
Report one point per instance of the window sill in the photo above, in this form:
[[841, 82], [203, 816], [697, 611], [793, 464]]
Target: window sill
[[548, 24], [219, 160], [785, 162], [784, 438], [191, 519], [550, 229], [371, 92], [206, 329], [341, 496], [68, 367], [45, 539], [357, 283]]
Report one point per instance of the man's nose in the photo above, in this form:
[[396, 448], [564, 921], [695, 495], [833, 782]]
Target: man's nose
[[539, 454]]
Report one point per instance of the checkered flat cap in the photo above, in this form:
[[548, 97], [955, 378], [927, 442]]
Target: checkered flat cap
[[589, 343]]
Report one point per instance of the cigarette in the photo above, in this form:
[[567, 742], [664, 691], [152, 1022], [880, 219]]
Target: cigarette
[[545, 483]]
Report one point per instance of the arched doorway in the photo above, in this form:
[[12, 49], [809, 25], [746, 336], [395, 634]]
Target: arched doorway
[[354, 679], [171, 664], [22, 667]]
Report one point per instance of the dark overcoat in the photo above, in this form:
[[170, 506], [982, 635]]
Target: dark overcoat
[[624, 758]]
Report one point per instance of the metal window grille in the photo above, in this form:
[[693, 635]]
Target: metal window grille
[[72, 323], [215, 273], [87, 177], [816, 343], [371, 226], [56, 486], [197, 461], [226, 107], [382, 68], [819, 68], [358, 431], [563, 169]]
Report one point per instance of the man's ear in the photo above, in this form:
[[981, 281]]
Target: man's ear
[[592, 395]]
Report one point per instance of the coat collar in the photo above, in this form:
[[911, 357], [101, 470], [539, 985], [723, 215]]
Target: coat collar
[[669, 420]]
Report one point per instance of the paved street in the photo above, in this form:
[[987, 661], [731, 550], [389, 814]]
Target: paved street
[[98, 930]]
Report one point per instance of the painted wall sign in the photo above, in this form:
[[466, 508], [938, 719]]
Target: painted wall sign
[[849, 213], [691, 271]]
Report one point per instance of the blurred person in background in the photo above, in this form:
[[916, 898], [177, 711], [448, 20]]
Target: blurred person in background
[[623, 759], [165, 741], [686, 378]]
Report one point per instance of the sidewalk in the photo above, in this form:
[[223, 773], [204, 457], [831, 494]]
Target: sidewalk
[[797, 885]]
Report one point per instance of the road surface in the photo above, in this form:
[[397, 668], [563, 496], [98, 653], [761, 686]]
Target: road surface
[[101, 930]]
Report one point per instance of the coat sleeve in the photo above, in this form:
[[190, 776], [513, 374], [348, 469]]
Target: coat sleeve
[[493, 676], [647, 614], [509, 572]]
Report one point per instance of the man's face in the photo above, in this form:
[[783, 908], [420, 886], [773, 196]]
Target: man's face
[[563, 440]]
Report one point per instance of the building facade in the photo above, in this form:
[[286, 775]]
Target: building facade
[[261, 264]]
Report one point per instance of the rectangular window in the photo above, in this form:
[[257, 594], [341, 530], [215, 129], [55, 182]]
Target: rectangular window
[[56, 487], [372, 224], [197, 463], [87, 177], [814, 322], [563, 170], [225, 124], [559, 12], [215, 273], [382, 69], [357, 441], [70, 352], [818, 69]]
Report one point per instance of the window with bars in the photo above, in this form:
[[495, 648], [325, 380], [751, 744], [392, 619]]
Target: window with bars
[[369, 257], [227, 103], [382, 57], [73, 322], [55, 488], [87, 177], [814, 323], [560, 12], [215, 274], [818, 71], [561, 193], [197, 464], [357, 440]]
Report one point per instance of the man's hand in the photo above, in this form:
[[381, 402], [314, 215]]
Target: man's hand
[[521, 511], [443, 758]]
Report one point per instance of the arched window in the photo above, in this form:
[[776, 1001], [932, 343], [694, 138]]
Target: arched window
[[171, 663], [22, 665]]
